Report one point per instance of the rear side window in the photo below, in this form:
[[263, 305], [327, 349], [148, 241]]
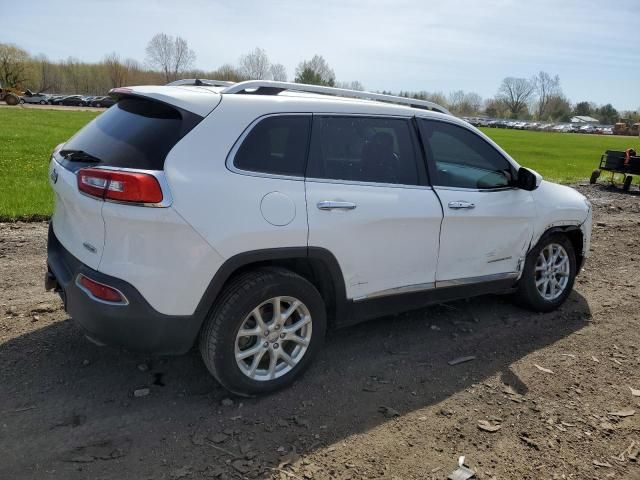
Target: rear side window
[[363, 149], [134, 133], [276, 145]]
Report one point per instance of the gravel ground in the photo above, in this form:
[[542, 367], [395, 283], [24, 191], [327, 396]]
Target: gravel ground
[[547, 396]]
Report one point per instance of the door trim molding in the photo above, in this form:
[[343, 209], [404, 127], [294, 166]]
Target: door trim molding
[[421, 287]]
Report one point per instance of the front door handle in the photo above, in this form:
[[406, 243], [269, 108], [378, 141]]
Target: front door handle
[[334, 204], [458, 204]]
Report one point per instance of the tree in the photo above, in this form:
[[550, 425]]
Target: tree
[[546, 87], [13, 65], [278, 72], [607, 114], [465, 103], [255, 65], [316, 72], [495, 108], [229, 73], [558, 109], [582, 108], [353, 85], [118, 72], [170, 55], [516, 93]]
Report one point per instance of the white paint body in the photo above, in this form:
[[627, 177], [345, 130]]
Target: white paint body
[[396, 238]]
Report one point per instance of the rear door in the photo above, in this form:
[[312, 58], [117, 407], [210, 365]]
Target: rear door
[[369, 204], [488, 223], [136, 133]]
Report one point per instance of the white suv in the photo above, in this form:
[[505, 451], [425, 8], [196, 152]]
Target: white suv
[[251, 217]]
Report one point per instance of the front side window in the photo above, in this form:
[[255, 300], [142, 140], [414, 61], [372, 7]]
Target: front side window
[[460, 158], [363, 149], [276, 145]]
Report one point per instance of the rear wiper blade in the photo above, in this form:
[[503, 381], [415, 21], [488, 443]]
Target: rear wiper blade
[[78, 156]]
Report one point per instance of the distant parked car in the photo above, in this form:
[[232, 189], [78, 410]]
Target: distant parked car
[[30, 97], [587, 129], [72, 100], [105, 101], [53, 99]]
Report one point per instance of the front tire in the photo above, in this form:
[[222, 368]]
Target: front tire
[[264, 331], [548, 275]]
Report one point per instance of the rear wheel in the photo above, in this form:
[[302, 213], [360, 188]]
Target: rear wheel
[[264, 331], [11, 99], [548, 275]]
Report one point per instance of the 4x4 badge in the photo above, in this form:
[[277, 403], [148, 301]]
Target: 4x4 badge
[[54, 175]]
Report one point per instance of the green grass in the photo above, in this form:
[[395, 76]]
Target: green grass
[[560, 157], [27, 137]]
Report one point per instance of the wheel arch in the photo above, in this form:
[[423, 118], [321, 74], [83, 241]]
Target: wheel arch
[[575, 236], [317, 265]]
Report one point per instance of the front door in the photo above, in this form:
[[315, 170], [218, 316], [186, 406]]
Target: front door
[[369, 204], [488, 223]]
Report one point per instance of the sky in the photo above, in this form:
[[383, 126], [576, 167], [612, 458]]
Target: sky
[[408, 45]]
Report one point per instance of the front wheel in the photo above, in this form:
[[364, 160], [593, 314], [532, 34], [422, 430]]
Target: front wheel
[[264, 331], [548, 275]]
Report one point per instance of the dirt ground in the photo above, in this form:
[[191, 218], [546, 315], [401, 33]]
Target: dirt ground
[[547, 396]]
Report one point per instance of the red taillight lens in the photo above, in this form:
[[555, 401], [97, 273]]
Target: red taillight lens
[[100, 290], [119, 185]]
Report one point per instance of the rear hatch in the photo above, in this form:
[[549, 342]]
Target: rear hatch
[[136, 133]]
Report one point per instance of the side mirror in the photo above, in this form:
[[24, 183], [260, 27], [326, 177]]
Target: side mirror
[[528, 179]]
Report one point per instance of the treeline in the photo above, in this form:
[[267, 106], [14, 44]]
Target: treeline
[[169, 58]]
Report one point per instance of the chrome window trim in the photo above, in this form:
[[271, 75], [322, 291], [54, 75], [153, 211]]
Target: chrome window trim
[[487, 190], [369, 184], [421, 287]]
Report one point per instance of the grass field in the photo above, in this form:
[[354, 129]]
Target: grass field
[[27, 137]]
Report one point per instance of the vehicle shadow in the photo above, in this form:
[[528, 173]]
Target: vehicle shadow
[[68, 409]]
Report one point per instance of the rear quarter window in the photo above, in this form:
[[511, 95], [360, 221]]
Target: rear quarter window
[[134, 133]]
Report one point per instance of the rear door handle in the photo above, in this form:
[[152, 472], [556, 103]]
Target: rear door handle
[[334, 204], [458, 204]]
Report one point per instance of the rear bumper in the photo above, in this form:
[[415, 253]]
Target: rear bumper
[[136, 326]]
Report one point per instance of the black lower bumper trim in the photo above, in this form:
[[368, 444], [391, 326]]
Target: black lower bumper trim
[[136, 326]]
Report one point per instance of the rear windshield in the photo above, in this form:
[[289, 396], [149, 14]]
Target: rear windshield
[[134, 133]]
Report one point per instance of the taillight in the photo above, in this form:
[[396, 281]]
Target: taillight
[[100, 290], [118, 185]]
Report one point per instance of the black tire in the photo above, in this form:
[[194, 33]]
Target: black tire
[[527, 294], [11, 99], [627, 183], [235, 303], [42, 102], [21, 101], [594, 176]]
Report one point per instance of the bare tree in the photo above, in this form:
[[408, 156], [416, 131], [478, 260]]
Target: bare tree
[[13, 65], [255, 65], [169, 55], [547, 87], [118, 72], [516, 94], [465, 103], [228, 72], [353, 85], [279, 72], [316, 71]]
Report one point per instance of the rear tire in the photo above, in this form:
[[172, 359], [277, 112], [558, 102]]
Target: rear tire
[[548, 275], [284, 347], [11, 99]]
